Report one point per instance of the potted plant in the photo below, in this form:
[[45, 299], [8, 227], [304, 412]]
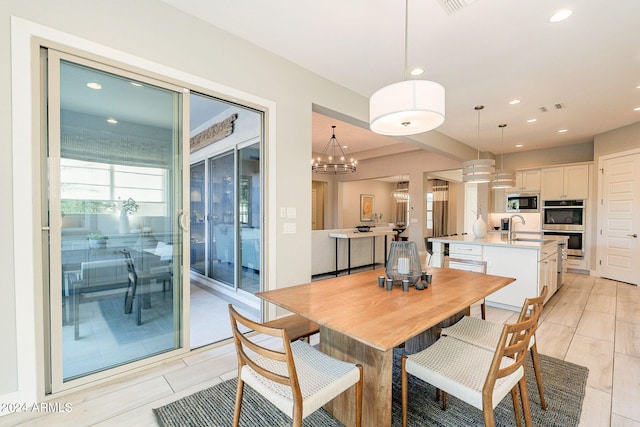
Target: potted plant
[[97, 240], [129, 207]]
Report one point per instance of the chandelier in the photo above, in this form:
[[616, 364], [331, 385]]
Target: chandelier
[[503, 178], [480, 170], [408, 107], [333, 160]]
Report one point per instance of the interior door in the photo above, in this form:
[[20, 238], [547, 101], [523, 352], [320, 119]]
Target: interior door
[[619, 212], [116, 218]]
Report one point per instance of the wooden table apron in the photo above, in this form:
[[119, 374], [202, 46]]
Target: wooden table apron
[[362, 323]]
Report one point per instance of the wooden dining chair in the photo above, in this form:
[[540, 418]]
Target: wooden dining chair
[[473, 374], [296, 377], [486, 334], [469, 265]]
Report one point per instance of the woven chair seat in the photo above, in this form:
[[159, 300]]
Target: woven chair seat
[[478, 332], [321, 378], [461, 369]]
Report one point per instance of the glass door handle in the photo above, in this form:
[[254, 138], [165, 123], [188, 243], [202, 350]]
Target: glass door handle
[[183, 220]]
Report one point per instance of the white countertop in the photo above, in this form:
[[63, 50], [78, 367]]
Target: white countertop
[[357, 234], [499, 239]]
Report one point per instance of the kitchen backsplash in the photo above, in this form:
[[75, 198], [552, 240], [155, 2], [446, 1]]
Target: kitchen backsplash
[[533, 221]]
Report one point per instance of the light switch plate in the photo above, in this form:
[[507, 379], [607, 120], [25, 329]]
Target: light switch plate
[[289, 228], [283, 212], [291, 213]]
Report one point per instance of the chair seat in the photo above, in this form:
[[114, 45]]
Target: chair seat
[[321, 378], [478, 332], [460, 369]]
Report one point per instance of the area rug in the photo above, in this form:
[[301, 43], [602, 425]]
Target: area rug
[[564, 385]]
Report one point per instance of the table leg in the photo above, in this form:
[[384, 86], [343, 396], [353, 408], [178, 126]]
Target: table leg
[[336, 257], [373, 265], [377, 369], [349, 257], [385, 251]]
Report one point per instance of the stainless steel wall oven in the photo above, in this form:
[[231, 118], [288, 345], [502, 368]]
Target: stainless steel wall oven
[[563, 215], [566, 218]]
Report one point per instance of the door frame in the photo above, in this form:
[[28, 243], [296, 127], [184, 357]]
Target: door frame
[[600, 198], [26, 39]]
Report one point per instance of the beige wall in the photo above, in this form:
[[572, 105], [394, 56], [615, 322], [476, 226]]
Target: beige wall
[[575, 153]]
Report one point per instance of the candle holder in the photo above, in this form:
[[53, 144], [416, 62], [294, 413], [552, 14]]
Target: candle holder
[[403, 263]]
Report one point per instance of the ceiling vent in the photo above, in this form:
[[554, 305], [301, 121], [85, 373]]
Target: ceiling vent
[[451, 6], [551, 107]]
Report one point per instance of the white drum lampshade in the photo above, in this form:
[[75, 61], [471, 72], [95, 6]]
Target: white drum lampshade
[[407, 108]]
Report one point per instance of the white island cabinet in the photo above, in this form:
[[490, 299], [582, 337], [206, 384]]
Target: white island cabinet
[[532, 262]]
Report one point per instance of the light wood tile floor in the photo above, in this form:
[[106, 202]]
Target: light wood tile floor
[[590, 321]]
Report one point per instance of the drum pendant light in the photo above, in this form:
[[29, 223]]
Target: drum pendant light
[[503, 178], [480, 170], [408, 107]]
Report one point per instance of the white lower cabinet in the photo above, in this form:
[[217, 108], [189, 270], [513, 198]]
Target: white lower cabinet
[[521, 264], [532, 267]]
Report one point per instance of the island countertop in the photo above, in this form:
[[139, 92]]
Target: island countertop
[[522, 241]]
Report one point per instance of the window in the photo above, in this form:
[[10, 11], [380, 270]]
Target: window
[[93, 187], [429, 211]]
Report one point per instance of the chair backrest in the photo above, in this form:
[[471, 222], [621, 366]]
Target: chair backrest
[[284, 371], [513, 344], [103, 272], [466, 264], [527, 308]]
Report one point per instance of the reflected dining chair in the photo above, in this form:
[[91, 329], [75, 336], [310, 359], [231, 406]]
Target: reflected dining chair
[[487, 334], [469, 265], [296, 377], [477, 376]]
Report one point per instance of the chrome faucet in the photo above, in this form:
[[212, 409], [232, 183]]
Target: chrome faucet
[[512, 231]]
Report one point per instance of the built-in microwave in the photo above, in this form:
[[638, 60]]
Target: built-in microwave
[[524, 202]]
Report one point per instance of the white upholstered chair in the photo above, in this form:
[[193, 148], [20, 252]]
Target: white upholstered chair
[[487, 334], [295, 377], [469, 265], [473, 374]]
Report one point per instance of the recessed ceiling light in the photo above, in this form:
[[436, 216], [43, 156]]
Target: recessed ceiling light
[[112, 121], [514, 102], [532, 120], [345, 147], [94, 85], [563, 130], [136, 84], [416, 71], [636, 109], [560, 15], [519, 145], [638, 87]]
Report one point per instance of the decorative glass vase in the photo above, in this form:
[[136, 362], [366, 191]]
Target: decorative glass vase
[[403, 263], [479, 228]]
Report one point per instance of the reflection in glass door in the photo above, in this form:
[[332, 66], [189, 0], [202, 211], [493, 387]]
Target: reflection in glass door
[[249, 217], [221, 219], [198, 218], [115, 196]]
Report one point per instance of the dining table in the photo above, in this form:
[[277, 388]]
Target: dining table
[[361, 322]]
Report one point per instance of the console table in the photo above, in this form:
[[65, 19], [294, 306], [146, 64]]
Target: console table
[[360, 235]]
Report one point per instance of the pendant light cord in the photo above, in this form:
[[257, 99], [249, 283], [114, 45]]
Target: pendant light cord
[[502, 126], [478, 108], [406, 37]]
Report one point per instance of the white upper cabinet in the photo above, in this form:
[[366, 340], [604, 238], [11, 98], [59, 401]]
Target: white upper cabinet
[[528, 181], [568, 182]]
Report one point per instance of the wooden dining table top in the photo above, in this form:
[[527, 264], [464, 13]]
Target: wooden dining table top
[[355, 306]]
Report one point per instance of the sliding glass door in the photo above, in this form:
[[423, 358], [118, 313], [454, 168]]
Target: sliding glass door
[[117, 229]]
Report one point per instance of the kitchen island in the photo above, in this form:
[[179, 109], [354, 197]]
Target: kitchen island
[[531, 259]]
